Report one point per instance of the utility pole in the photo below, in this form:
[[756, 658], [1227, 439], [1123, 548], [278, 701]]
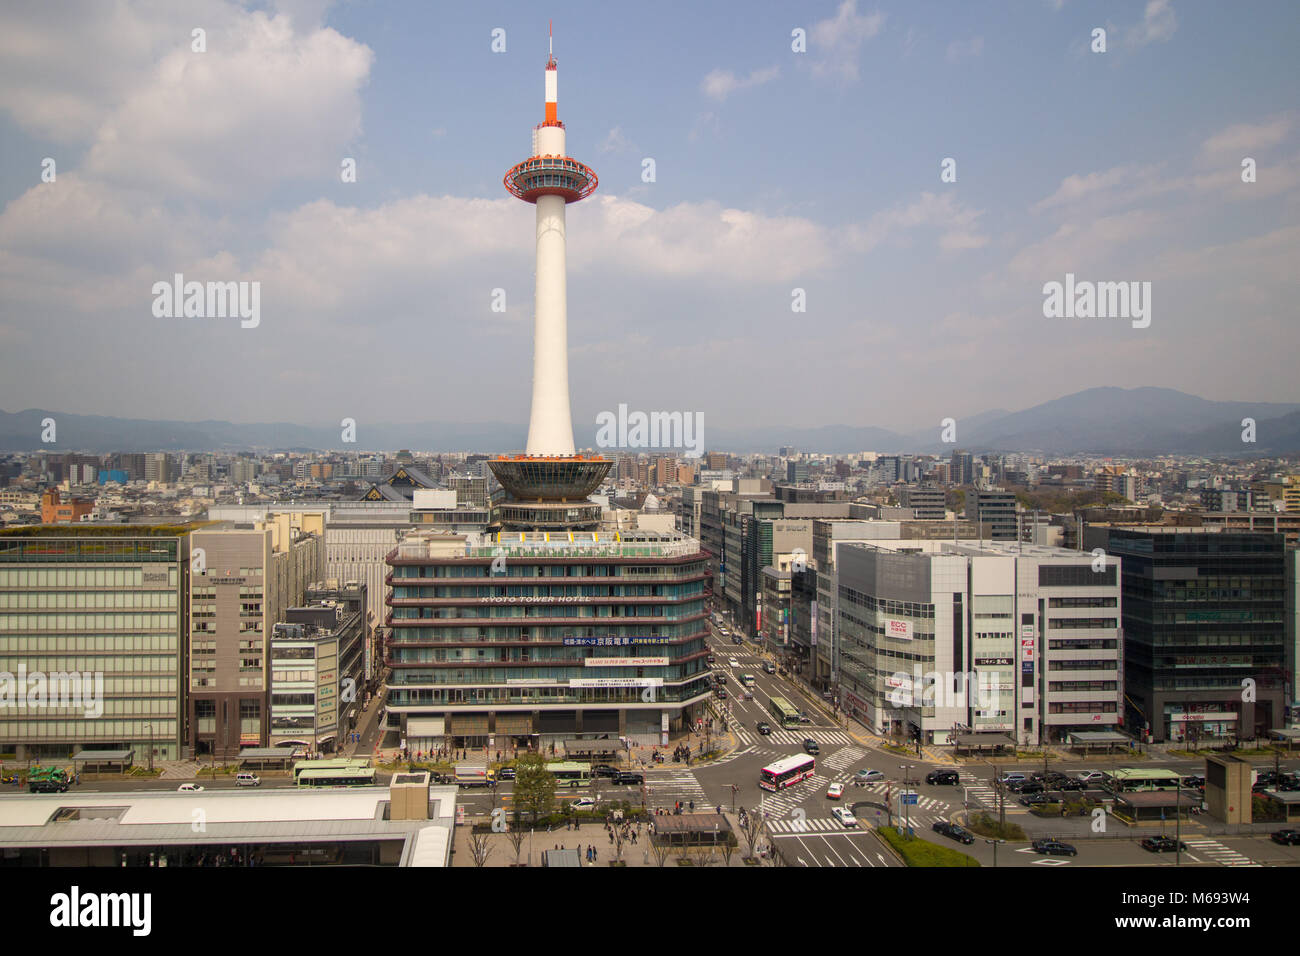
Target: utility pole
[[1178, 824]]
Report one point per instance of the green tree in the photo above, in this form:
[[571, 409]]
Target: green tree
[[534, 786]]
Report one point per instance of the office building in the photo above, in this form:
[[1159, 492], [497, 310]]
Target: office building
[[1203, 612], [539, 639], [995, 512], [101, 612]]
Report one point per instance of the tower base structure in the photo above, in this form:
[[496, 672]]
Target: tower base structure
[[549, 493]]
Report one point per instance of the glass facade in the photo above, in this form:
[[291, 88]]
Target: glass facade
[[97, 622]]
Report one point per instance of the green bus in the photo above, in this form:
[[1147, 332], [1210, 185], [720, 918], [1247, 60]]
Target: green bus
[[785, 713], [1130, 779], [332, 763], [570, 773], [336, 776]]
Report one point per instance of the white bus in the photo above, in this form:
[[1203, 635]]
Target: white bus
[[786, 772]]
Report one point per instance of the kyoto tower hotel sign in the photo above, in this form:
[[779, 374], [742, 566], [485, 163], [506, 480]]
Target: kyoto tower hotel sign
[[549, 484]]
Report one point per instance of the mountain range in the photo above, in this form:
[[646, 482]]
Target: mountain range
[[1108, 421]]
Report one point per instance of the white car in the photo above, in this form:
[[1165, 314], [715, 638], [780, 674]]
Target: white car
[[734, 663], [583, 803], [835, 791], [189, 788], [845, 816], [1090, 777]]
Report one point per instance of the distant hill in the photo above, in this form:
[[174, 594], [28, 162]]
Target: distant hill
[[1100, 421]]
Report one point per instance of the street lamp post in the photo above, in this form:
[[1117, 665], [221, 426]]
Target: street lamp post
[[149, 728], [995, 850]]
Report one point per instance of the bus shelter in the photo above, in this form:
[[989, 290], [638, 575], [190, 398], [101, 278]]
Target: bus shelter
[[275, 758], [1288, 738], [1097, 741], [1148, 805], [690, 829], [1288, 801], [983, 743], [110, 761]]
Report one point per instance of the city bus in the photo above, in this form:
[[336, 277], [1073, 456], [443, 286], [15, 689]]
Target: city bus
[[785, 713], [570, 773], [1129, 779], [332, 763], [786, 772], [336, 776]]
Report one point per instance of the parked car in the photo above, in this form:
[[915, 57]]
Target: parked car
[[954, 831], [1054, 848], [1286, 837], [1194, 782], [845, 816], [189, 788], [1027, 787], [943, 778], [1069, 783], [1090, 778], [764, 727], [1034, 799], [835, 791], [1162, 844], [722, 693], [868, 776]]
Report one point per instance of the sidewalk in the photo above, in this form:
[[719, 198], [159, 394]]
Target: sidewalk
[[501, 853]]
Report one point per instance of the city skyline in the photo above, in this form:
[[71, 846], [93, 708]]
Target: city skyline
[[907, 278]]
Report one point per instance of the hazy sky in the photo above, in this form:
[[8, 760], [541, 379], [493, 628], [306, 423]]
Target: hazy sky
[[774, 170]]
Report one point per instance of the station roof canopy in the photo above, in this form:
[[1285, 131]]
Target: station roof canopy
[[1099, 737], [1154, 799], [1286, 733], [691, 823], [105, 756], [984, 740]]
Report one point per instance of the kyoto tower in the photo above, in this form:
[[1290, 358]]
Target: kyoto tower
[[549, 484]]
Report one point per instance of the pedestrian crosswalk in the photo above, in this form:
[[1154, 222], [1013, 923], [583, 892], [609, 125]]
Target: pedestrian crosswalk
[[670, 786], [1216, 852], [798, 825], [842, 759], [824, 738], [977, 791]]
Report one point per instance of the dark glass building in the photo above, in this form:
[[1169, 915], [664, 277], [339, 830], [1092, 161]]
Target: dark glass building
[[1204, 630]]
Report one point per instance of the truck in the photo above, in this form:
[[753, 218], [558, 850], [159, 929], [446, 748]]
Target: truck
[[47, 780], [472, 775]]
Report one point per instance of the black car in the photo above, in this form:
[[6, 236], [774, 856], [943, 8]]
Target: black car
[[1054, 848], [810, 747], [954, 831], [764, 727], [1162, 844], [1194, 782], [1286, 837], [721, 692], [626, 777], [943, 778], [605, 770], [506, 773], [1034, 799], [1069, 783]]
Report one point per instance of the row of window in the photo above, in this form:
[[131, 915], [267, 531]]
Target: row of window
[[82, 622], [36, 729], [907, 609], [114, 643], [145, 662], [1068, 602], [471, 592], [37, 600], [1081, 623], [517, 569], [82, 577], [1078, 685], [1081, 707], [1082, 665]]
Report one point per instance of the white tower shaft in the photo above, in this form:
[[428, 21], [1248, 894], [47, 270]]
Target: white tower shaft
[[550, 428]]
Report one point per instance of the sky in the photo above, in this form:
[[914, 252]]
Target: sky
[[774, 170]]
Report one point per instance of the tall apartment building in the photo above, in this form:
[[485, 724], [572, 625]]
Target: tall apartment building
[[937, 639], [315, 671], [962, 471], [995, 512], [104, 604], [577, 635], [927, 504], [1203, 611], [241, 582]]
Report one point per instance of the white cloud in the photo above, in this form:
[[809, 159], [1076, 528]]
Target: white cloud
[[965, 49], [836, 41], [1158, 23], [720, 84], [957, 222], [1243, 139], [616, 141]]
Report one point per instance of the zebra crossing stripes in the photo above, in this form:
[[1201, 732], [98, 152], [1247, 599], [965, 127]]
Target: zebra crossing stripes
[[843, 758], [666, 789], [1220, 854], [793, 825], [747, 736]]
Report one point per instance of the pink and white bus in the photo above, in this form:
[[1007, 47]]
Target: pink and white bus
[[786, 772]]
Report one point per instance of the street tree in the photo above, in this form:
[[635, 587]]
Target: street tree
[[534, 786], [479, 848]]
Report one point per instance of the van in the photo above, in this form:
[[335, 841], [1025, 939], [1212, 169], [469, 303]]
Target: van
[[247, 780]]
